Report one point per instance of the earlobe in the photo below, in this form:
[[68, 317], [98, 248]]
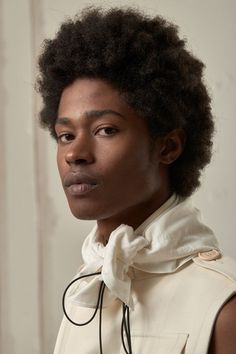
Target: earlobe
[[172, 146]]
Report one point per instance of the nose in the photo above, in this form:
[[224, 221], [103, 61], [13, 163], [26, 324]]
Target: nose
[[79, 152]]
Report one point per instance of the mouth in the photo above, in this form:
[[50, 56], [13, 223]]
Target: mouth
[[81, 188], [79, 184]]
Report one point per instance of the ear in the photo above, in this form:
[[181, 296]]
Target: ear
[[171, 146]]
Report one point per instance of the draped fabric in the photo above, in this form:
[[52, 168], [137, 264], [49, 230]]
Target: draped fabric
[[169, 238]]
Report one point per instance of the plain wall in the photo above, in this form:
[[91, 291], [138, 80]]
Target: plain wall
[[40, 240]]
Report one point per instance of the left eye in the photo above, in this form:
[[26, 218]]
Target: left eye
[[65, 138], [107, 131]]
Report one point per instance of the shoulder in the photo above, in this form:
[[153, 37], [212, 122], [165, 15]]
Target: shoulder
[[223, 265], [223, 338]]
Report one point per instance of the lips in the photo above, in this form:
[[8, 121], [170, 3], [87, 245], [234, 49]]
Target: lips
[[79, 184]]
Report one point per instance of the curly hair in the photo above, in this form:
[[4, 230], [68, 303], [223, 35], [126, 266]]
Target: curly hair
[[147, 62]]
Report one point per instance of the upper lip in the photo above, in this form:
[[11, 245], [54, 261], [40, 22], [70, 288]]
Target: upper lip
[[78, 178]]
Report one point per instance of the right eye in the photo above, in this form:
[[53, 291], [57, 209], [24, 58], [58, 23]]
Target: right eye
[[65, 138]]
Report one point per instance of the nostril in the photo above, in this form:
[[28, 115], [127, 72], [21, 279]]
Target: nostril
[[77, 162], [77, 156], [80, 161]]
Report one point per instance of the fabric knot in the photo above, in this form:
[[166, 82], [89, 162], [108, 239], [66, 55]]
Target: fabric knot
[[113, 260], [168, 239], [120, 253]]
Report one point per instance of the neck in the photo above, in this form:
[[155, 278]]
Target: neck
[[133, 216]]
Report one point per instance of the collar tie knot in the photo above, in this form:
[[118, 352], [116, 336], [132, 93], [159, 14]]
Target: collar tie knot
[[113, 260]]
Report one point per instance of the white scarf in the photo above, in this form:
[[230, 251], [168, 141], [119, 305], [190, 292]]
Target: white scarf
[[169, 238]]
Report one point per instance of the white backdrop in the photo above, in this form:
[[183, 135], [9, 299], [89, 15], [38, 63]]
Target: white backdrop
[[40, 240]]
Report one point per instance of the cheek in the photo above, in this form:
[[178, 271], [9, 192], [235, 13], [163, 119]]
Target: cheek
[[129, 167], [61, 165]]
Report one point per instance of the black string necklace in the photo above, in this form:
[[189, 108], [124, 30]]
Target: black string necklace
[[125, 323]]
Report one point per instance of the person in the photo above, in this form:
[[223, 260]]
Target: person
[[127, 104]]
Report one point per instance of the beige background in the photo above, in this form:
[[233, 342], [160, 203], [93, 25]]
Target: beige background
[[40, 241]]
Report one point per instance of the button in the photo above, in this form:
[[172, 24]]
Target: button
[[209, 255]]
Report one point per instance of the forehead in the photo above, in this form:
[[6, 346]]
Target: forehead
[[88, 94], [96, 99]]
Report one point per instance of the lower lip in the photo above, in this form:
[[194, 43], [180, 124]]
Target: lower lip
[[81, 189]]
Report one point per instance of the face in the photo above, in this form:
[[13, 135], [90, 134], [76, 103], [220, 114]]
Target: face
[[106, 164]]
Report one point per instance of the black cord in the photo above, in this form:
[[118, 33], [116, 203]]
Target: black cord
[[125, 323], [129, 334], [97, 305], [125, 327], [122, 334], [100, 317]]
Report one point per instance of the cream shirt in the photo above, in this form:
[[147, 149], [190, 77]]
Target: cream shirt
[[164, 273]]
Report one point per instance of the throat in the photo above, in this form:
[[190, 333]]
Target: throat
[[133, 217]]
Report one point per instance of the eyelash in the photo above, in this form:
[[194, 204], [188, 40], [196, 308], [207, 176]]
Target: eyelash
[[64, 135], [60, 137], [114, 130]]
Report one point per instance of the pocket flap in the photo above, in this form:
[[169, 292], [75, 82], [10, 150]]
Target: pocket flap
[[168, 343]]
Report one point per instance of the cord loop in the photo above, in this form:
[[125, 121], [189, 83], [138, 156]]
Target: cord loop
[[125, 323]]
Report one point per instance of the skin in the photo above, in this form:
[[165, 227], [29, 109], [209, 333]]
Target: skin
[[99, 135], [131, 174], [223, 339]]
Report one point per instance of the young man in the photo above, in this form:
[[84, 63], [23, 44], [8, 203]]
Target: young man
[[127, 105]]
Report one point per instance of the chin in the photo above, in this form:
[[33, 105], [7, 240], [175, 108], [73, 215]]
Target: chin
[[83, 214], [87, 212], [93, 211]]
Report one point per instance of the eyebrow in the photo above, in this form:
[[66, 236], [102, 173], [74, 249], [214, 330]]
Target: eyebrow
[[90, 114]]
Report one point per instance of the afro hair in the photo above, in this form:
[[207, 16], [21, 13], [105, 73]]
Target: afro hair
[[148, 63]]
